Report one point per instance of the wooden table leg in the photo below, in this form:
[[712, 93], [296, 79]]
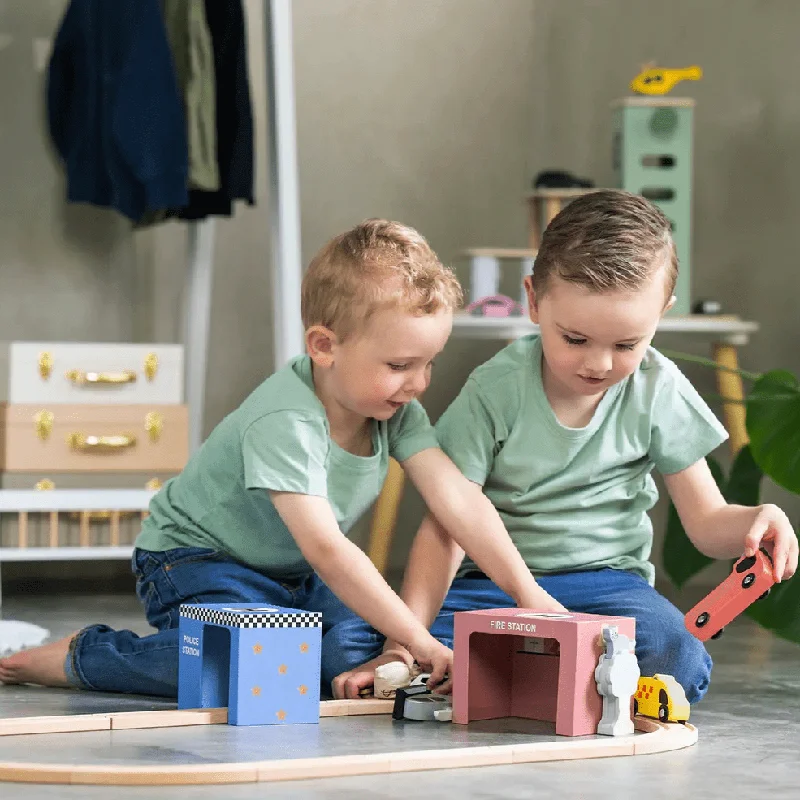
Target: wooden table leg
[[535, 223], [539, 217], [384, 517], [552, 205], [732, 390]]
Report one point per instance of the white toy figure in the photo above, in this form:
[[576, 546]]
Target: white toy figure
[[617, 676], [391, 677]]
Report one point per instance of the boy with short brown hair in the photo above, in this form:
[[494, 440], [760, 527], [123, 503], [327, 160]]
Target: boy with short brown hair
[[561, 429]]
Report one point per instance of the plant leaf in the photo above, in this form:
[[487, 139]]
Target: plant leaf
[[773, 425], [676, 355], [744, 480], [682, 560], [778, 612]]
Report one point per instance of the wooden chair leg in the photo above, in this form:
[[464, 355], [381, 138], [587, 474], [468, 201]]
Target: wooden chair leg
[[732, 389], [384, 517]]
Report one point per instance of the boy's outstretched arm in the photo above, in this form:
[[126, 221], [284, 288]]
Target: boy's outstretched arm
[[432, 563], [352, 577], [468, 516], [723, 530], [467, 522]]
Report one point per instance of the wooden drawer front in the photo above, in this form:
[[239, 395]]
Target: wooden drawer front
[[73, 372], [81, 438]]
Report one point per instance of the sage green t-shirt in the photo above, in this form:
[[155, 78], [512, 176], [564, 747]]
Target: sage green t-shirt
[[277, 439], [575, 498]]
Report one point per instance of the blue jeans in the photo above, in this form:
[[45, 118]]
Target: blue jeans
[[104, 659], [662, 642]]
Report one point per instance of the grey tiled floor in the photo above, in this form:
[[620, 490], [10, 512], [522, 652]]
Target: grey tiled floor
[[749, 727]]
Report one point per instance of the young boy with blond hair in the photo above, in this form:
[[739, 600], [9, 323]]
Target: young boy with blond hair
[[562, 429], [261, 513]]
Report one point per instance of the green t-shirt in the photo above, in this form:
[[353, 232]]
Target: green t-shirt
[[575, 498], [277, 439]]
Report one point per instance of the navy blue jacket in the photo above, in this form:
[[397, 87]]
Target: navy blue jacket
[[114, 108]]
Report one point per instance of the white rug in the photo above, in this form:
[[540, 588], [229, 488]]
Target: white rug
[[16, 636]]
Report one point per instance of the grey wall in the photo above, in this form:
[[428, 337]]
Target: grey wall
[[79, 273], [437, 113], [419, 111], [65, 271], [747, 119]]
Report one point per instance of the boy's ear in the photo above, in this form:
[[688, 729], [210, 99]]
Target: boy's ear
[[670, 303], [320, 344], [533, 303]]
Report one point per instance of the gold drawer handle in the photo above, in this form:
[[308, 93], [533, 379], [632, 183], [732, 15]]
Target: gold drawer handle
[[81, 378], [100, 444]]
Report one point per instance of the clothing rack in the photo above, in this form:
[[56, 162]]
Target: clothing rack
[[285, 276], [284, 211]]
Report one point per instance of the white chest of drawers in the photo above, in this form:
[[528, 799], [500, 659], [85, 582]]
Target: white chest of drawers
[[87, 432], [83, 372]]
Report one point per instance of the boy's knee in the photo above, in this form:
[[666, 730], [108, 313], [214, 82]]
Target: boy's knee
[[693, 667], [681, 655], [346, 646]]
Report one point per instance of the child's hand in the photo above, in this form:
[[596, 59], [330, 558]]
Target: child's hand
[[772, 530], [433, 657], [349, 684], [540, 600]]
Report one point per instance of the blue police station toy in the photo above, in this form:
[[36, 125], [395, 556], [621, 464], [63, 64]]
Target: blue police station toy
[[262, 662]]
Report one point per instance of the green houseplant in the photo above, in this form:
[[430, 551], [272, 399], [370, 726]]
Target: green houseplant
[[772, 413]]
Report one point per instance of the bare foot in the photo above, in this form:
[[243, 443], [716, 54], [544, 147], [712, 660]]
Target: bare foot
[[41, 665]]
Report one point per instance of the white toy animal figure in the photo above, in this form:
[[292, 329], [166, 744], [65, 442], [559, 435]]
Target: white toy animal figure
[[391, 677], [617, 676]]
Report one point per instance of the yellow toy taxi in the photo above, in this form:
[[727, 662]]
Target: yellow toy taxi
[[661, 697]]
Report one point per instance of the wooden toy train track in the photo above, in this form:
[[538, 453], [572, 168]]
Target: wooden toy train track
[[651, 737]]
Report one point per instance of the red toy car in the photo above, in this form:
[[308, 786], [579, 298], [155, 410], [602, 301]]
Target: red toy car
[[750, 580]]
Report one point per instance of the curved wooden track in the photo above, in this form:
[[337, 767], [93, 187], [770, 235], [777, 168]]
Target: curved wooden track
[[653, 737]]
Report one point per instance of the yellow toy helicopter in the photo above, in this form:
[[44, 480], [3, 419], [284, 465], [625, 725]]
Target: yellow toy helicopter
[[661, 80]]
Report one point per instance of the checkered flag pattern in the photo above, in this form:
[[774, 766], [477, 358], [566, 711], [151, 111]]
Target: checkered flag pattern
[[241, 618]]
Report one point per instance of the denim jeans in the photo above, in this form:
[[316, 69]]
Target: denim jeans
[[662, 642], [104, 659]]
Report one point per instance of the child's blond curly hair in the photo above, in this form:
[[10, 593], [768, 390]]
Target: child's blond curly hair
[[377, 264]]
